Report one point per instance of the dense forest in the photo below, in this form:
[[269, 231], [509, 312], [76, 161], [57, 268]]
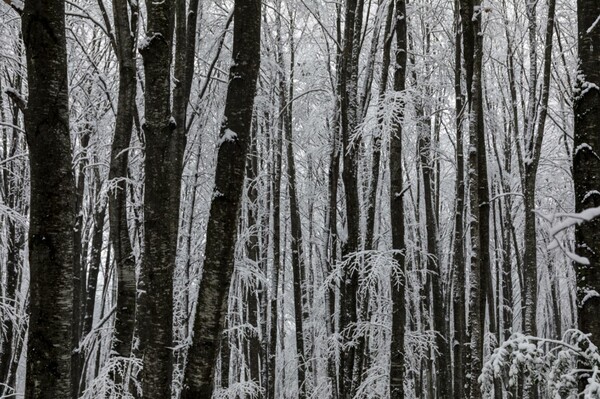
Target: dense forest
[[293, 199]]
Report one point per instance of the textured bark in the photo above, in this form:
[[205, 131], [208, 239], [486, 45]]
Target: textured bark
[[154, 313], [458, 266], [183, 71], [125, 25], [229, 181], [586, 165], [477, 297], [398, 366], [348, 116], [52, 214]]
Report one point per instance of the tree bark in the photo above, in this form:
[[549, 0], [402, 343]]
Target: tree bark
[[154, 313], [459, 268], [348, 116], [398, 366], [477, 295], [229, 181], [125, 24], [52, 212], [585, 167]]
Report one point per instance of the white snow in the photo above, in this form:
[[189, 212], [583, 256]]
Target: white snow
[[583, 146], [146, 40], [591, 28], [228, 135], [589, 194], [572, 219], [589, 294], [577, 259]]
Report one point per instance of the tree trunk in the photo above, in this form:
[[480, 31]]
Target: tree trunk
[[125, 32], [229, 181], [154, 313], [459, 269], [52, 212], [397, 368], [585, 168], [477, 295], [348, 113]]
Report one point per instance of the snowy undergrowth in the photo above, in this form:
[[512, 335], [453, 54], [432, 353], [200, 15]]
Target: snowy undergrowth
[[556, 366], [104, 386]]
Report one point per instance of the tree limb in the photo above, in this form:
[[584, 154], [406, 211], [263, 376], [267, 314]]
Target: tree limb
[[17, 98]]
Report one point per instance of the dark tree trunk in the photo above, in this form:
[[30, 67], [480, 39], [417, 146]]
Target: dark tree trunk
[[477, 188], [348, 114], [459, 269], [52, 214], [229, 182], [398, 366], [585, 167], [125, 32], [154, 313]]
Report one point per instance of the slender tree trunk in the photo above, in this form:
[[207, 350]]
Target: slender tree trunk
[[397, 370], [229, 181], [125, 32], [52, 207], [477, 297], [348, 116], [459, 269]]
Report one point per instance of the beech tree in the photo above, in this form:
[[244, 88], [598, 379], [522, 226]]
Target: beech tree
[[52, 202], [234, 144], [397, 211], [585, 167]]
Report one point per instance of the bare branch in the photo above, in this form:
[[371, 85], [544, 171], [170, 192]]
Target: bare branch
[[17, 98]]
